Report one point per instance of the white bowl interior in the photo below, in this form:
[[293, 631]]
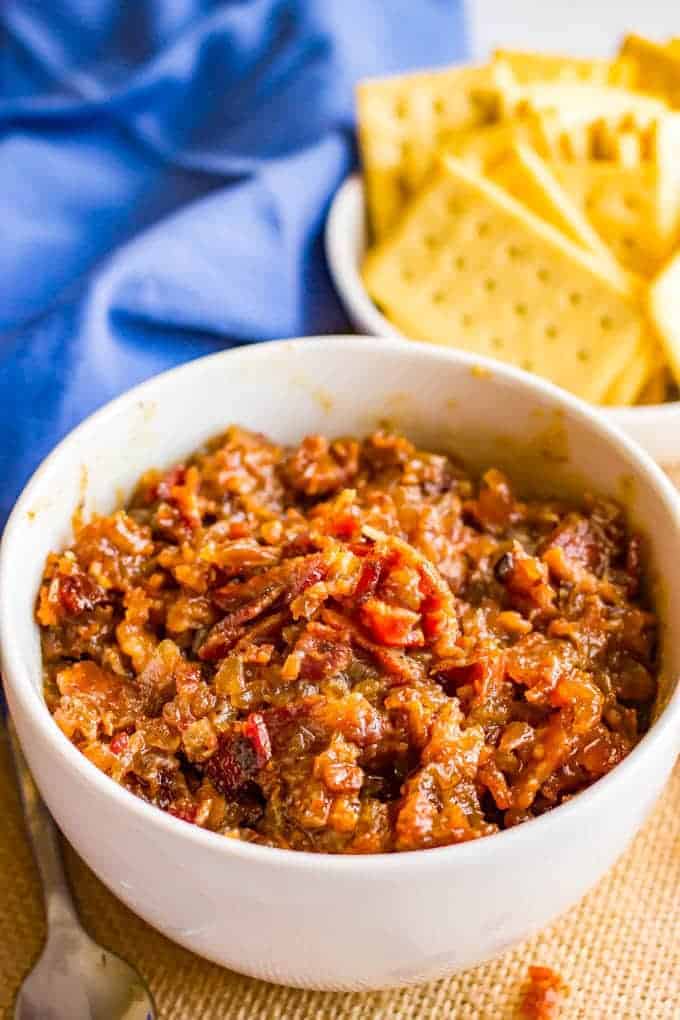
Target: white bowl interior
[[487, 415], [654, 427]]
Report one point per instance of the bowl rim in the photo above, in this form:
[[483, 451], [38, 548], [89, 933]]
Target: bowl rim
[[350, 288], [18, 673], [343, 267]]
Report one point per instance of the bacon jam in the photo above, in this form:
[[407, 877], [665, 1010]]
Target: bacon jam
[[348, 646]]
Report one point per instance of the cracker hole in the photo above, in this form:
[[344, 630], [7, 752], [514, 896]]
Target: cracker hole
[[527, 365], [400, 109], [628, 242], [438, 297], [521, 309], [497, 343], [582, 354], [482, 229], [439, 106], [575, 298], [407, 275], [490, 285], [606, 322], [454, 206], [513, 251], [543, 275], [430, 241], [631, 202], [459, 262], [551, 332], [466, 320]]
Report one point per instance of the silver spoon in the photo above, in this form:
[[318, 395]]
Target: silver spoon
[[74, 979]]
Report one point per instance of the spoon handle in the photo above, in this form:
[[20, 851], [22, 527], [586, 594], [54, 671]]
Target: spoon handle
[[59, 905]]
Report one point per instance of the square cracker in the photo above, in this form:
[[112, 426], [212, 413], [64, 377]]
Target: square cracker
[[580, 135], [501, 152], [625, 178], [482, 147], [401, 123], [576, 99], [656, 67], [632, 195], [525, 176], [528, 67], [470, 267], [622, 138], [620, 204]]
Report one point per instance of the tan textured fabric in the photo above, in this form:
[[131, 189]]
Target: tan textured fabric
[[618, 950]]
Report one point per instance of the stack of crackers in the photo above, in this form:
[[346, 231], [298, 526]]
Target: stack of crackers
[[529, 209]]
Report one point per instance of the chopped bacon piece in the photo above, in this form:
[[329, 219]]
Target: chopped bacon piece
[[284, 721], [495, 506], [581, 541], [482, 673], [321, 652], [69, 594], [369, 577], [179, 487], [185, 811], [438, 606], [344, 526], [528, 583], [318, 467], [284, 582], [390, 625], [119, 742], [234, 765], [172, 478], [543, 995], [255, 729], [79, 594]]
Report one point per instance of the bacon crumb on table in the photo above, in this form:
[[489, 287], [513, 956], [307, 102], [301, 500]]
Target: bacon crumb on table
[[543, 995], [348, 646]]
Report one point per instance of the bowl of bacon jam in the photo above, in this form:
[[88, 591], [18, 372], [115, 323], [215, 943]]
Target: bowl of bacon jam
[[348, 645], [345, 662]]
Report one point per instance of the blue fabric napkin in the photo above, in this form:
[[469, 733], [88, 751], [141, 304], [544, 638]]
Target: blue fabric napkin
[[165, 168]]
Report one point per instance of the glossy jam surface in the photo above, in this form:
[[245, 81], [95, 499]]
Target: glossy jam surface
[[350, 646]]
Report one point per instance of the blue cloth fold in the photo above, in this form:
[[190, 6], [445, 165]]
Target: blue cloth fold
[[165, 169]]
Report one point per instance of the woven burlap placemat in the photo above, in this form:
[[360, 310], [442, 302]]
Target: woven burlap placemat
[[618, 950]]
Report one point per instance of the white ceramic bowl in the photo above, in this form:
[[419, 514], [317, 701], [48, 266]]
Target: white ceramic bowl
[[298, 918], [656, 428]]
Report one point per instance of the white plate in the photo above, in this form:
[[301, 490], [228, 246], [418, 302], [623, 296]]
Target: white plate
[[656, 427]]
